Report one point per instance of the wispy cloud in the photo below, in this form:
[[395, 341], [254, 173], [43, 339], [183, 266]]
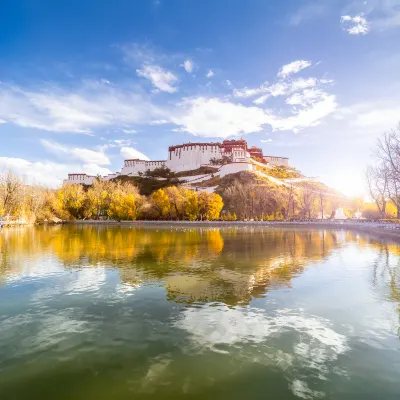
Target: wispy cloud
[[129, 131], [76, 153], [293, 68], [160, 78], [308, 99], [357, 25], [159, 122], [281, 88], [210, 74], [132, 153], [46, 172], [79, 109], [189, 66]]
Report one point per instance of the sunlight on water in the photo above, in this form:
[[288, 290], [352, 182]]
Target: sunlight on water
[[119, 312]]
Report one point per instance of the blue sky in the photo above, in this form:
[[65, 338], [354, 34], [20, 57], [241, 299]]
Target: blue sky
[[85, 84]]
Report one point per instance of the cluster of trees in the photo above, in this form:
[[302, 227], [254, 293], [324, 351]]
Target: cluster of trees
[[103, 200], [23, 202], [383, 178], [122, 201], [247, 197], [179, 203]]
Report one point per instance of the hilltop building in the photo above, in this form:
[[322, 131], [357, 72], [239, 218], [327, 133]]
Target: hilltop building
[[192, 156]]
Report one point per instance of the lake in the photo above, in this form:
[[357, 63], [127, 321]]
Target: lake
[[121, 312]]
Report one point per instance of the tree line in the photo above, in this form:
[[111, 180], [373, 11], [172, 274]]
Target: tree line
[[241, 196], [103, 200]]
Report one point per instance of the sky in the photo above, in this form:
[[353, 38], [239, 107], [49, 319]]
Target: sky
[[85, 84]]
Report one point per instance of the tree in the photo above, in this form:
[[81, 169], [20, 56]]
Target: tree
[[321, 203], [161, 203], [191, 205], [378, 186], [11, 193], [69, 201], [210, 205], [289, 202], [124, 203], [177, 204], [98, 198], [388, 155], [307, 198]]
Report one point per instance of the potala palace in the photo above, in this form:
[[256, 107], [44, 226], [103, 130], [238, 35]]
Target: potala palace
[[230, 156]]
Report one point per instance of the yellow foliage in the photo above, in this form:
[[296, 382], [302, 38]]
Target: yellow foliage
[[123, 204], [191, 205], [210, 205], [161, 202]]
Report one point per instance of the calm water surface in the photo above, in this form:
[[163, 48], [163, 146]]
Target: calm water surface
[[169, 313]]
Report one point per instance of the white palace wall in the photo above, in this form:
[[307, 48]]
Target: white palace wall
[[192, 156]]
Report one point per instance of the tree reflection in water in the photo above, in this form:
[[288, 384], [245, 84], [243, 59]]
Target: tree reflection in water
[[231, 265]]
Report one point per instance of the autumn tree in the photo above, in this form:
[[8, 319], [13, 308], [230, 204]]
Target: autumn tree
[[11, 193], [176, 196], [161, 203], [124, 203], [307, 197], [69, 201], [98, 198], [191, 204], [210, 205]]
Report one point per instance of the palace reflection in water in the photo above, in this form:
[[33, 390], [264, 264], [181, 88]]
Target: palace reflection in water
[[194, 264], [231, 265]]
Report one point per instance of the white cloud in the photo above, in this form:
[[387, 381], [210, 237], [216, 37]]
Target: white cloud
[[76, 153], [315, 107], [281, 88], [159, 122], [120, 143], [293, 68], [45, 172], [266, 141], [132, 153], [357, 25], [93, 169], [262, 99], [129, 131], [76, 110], [306, 97], [210, 74], [250, 92], [212, 117], [160, 78], [189, 66]]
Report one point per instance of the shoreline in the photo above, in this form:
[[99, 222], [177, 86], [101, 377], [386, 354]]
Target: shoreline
[[377, 229]]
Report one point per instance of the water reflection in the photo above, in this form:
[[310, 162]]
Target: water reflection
[[230, 266], [207, 265], [165, 313]]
